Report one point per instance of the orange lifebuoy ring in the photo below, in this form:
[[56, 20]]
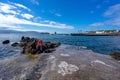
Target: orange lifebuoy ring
[[40, 43]]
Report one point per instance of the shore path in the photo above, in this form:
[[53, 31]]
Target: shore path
[[66, 63]]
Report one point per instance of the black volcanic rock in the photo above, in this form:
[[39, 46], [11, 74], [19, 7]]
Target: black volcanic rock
[[6, 42], [115, 55], [15, 44], [32, 45]]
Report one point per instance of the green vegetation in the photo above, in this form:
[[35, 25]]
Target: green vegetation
[[108, 31], [32, 56], [92, 32]]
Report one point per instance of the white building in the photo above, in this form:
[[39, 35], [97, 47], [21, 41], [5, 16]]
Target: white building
[[100, 32]]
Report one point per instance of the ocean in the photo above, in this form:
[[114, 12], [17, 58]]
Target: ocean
[[99, 44]]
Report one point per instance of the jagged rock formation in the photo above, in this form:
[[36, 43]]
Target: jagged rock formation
[[36, 46], [6, 42], [115, 55]]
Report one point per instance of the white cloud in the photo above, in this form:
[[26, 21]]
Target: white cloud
[[27, 16], [21, 6], [37, 19], [6, 8], [113, 13], [12, 8], [12, 19]]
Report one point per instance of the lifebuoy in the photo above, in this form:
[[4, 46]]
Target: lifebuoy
[[40, 43]]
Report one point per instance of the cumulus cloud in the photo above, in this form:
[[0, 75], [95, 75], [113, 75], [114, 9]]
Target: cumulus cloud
[[12, 19], [113, 13]]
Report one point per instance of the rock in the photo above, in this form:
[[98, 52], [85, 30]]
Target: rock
[[15, 44], [52, 44], [25, 39], [48, 45], [56, 44], [27, 49], [30, 45], [22, 44], [115, 55], [49, 50], [6, 42]]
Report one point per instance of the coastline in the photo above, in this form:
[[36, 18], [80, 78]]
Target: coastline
[[66, 63], [92, 34]]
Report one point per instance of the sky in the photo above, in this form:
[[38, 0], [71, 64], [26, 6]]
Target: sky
[[62, 16]]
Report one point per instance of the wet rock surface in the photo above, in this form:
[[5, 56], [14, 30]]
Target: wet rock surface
[[70, 63], [16, 68], [15, 44], [65, 63], [35, 46], [6, 42], [115, 55]]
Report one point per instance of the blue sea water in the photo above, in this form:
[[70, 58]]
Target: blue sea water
[[99, 44]]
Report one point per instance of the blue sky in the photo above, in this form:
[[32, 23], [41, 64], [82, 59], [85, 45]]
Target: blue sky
[[63, 16]]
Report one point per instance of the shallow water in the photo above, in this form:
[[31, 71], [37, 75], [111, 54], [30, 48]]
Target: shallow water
[[99, 44]]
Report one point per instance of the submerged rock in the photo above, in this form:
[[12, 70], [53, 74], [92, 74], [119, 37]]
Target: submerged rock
[[15, 44], [6, 42], [115, 55], [49, 50], [52, 44]]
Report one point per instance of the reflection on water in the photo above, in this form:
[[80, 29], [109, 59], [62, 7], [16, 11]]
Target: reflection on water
[[100, 44]]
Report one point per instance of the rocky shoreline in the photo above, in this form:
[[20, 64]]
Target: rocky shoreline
[[38, 46], [34, 45], [66, 62]]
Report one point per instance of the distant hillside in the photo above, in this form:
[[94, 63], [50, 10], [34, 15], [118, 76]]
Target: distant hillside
[[9, 31], [13, 31]]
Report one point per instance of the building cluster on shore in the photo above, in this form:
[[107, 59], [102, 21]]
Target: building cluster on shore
[[98, 33], [103, 31]]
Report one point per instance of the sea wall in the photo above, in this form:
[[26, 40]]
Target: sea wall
[[94, 34]]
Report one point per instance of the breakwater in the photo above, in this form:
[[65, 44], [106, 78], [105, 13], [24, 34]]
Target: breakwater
[[93, 34]]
